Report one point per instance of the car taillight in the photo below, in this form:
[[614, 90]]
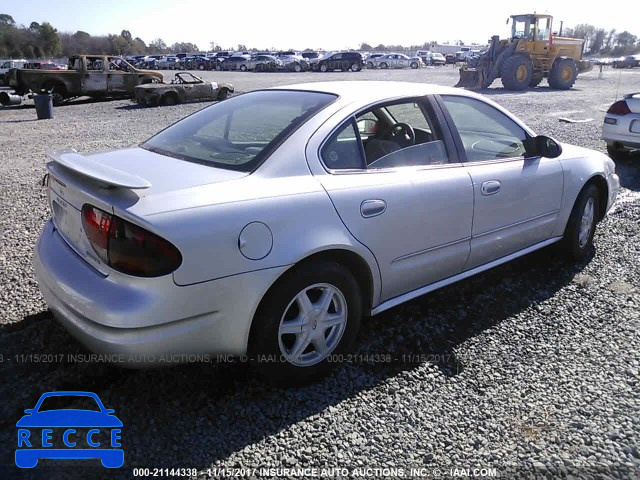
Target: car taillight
[[619, 108], [126, 247]]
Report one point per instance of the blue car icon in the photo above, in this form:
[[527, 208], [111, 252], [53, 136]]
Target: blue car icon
[[68, 432]]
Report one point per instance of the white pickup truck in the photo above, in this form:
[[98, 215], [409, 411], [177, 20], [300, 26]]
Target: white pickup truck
[[6, 65]]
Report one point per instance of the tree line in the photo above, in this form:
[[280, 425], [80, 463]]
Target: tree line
[[43, 40], [598, 41]]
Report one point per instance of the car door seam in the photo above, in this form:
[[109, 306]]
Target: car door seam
[[430, 249], [521, 222], [335, 208]]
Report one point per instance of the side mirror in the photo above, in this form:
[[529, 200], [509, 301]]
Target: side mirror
[[109, 411], [29, 411], [367, 126], [542, 146]]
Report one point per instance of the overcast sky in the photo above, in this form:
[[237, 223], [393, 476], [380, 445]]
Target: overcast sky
[[329, 24]]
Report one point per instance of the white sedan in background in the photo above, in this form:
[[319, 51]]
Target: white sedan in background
[[621, 128], [272, 223]]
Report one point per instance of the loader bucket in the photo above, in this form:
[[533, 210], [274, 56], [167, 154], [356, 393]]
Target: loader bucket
[[471, 79]]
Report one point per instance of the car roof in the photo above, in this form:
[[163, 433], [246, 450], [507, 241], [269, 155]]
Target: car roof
[[363, 90]]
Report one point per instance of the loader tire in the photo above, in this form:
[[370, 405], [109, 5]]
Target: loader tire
[[517, 72], [563, 74]]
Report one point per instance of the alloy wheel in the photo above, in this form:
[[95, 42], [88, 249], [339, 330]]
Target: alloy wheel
[[312, 324]]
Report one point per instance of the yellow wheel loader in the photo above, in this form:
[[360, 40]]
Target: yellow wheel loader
[[532, 53]]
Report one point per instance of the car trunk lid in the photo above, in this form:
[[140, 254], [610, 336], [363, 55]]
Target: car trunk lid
[[633, 102], [116, 181]]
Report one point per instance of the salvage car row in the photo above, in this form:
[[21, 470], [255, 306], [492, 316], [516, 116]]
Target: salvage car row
[[108, 76], [105, 76], [290, 61]]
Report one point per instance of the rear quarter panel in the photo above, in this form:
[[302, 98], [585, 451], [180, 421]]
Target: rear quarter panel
[[297, 211]]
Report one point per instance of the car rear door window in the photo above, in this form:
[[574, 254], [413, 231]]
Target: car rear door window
[[343, 150], [486, 132], [386, 136]]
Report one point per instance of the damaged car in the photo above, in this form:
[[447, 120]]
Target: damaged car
[[266, 227], [185, 87]]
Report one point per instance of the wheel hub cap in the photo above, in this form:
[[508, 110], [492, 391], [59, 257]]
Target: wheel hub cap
[[312, 324]]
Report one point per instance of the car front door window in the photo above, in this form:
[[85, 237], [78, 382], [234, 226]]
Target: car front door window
[[486, 132]]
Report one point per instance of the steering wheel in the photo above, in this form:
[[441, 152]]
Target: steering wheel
[[402, 134]]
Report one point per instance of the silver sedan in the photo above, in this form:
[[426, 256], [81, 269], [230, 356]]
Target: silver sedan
[[263, 63], [396, 60], [271, 224]]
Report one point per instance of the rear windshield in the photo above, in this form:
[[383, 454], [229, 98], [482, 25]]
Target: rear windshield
[[239, 133]]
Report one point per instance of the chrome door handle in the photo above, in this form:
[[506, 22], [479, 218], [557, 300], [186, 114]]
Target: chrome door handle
[[490, 187], [372, 208]]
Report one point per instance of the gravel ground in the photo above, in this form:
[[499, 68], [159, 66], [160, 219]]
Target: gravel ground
[[531, 369]]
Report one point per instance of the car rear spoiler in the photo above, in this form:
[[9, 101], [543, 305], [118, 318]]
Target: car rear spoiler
[[110, 176]]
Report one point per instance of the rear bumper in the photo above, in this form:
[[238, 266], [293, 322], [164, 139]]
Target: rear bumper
[[136, 324], [621, 133]]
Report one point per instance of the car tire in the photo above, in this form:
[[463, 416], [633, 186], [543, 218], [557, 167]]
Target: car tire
[[370, 65], [517, 71], [289, 357], [384, 66], [323, 67], [297, 67], [414, 65], [563, 74], [169, 100], [617, 153], [243, 68], [581, 226], [354, 67], [58, 93], [222, 94]]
